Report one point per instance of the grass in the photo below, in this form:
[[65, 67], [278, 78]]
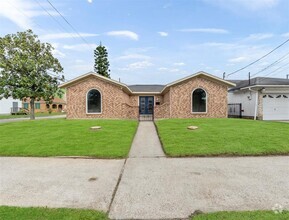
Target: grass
[[27, 116], [245, 215], [61, 137], [223, 137], [11, 213]]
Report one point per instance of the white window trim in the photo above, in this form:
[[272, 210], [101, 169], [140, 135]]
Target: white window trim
[[94, 113], [206, 112]]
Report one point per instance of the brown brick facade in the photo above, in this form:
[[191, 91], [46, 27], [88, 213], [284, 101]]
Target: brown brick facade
[[57, 105], [174, 102], [181, 99], [115, 102]]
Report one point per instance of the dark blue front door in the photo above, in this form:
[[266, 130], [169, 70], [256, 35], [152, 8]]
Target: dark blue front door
[[146, 105]]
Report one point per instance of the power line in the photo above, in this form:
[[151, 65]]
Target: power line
[[262, 78], [250, 64], [272, 64], [52, 16], [69, 23]]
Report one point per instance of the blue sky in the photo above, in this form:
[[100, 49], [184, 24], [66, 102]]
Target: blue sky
[[157, 42]]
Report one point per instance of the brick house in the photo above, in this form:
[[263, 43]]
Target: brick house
[[94, 96], [57, 105]]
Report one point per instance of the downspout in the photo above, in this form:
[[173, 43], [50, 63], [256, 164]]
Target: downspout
[[256, 103]]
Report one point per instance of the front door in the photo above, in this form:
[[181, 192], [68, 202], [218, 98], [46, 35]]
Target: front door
[[146, 105]]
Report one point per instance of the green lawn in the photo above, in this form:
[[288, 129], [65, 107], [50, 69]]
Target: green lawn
[[223, 137], [12, 213], [27, 116], [61, 137], [248, 215]]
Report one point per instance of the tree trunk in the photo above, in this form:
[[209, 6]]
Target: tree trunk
[[32, 112]]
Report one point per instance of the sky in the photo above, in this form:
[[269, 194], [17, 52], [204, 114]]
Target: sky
[[159, 41]]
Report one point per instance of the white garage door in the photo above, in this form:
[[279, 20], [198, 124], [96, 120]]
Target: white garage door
[[276, 107]]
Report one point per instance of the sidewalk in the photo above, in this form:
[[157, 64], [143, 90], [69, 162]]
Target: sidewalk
[[37, 118]]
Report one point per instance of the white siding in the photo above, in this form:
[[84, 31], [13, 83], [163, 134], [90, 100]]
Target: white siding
[[248, 100], [7, 104]]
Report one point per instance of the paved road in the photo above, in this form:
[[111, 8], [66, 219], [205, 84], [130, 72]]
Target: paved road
[[56, 182], [37, 118], [151, 186], [155, 188]]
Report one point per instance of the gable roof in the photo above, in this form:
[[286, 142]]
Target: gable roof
[[261, 81], [200, 73], [77, 79], [146, 88], [156, 89]]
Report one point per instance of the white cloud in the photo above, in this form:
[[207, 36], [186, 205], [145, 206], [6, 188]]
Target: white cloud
[[80, 47], [179, 64], [171, 70], [259, 36], [219, 45], [244, 4], [134, 56], [58, 53], [89, 1], [285, 34], [237, 59], [206, 30], [22, 12], [124, 33], [66, 35], [163, 34], [140, 65], [137, 65], [82, 68]]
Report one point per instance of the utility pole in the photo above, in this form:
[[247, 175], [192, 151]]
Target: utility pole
[[249, 78], [287, 76], [224, 75]]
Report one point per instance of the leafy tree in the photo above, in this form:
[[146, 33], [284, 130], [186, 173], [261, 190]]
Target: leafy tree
[[101, 63], [28, 69]]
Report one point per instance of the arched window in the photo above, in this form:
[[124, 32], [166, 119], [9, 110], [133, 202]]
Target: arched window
[[93, 101], [199, 100]]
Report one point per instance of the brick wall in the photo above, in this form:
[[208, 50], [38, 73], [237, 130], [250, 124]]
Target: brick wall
[[112, 96], [181, 98], [176, 103]]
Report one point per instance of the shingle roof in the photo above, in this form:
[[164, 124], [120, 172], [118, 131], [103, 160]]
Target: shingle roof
[[146, 88], [260, 81]]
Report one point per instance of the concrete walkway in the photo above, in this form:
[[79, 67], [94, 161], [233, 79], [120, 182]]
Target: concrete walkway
[[146, 142]]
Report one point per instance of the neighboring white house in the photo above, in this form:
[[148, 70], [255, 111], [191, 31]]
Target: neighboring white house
[[7, 104], [262, 98]]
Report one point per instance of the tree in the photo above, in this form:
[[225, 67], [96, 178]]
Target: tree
[[101, 63], [28, 69]]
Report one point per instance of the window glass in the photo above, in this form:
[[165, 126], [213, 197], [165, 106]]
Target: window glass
[[199, 101], [93, 101], [37, 105]]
